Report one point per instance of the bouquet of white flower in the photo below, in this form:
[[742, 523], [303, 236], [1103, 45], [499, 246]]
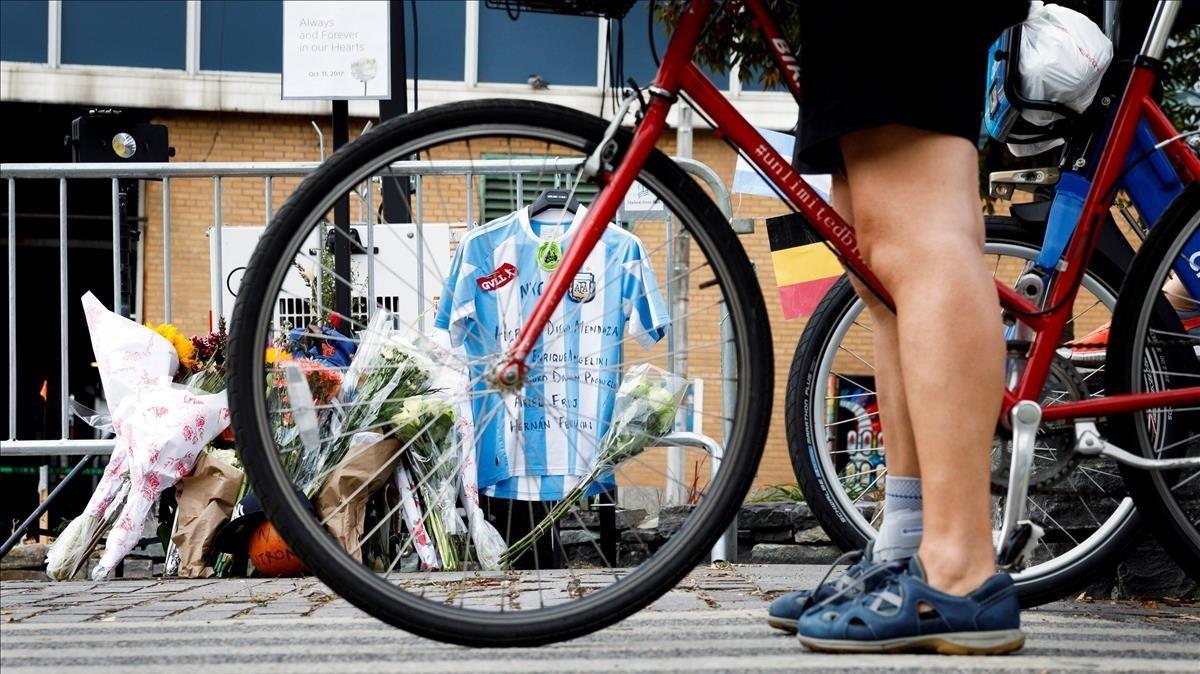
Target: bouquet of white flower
[[647, 403], [645, 410], [386, 371], [426, 425]]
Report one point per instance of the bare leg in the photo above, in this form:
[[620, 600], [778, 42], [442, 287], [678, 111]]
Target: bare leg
[[1177, 294], [899, 447], [920, 227]]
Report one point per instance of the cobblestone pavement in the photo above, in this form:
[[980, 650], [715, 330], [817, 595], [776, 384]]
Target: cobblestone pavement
[[712, 622]]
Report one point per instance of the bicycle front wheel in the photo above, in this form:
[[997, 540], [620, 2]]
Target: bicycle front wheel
[[1155, 349], [381, 448]]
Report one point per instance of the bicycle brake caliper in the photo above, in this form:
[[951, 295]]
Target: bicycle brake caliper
[[1019, 536], [601, 158]]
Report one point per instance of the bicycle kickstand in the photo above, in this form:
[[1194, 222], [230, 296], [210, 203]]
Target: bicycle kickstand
[[1018, 535]]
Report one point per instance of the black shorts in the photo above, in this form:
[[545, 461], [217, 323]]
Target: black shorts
[[918, 64]]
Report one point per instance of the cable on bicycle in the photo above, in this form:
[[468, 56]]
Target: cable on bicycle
[[650, 30]]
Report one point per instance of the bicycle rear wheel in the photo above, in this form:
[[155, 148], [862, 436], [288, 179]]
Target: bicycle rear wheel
[[429, 562], [836, 441], [1155, 349]]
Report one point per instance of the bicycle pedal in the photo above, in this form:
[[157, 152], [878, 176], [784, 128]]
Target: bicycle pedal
[[1016, 550]]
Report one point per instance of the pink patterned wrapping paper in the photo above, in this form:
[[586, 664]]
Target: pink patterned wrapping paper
[[411, 511], [161, 427], [452, 377]]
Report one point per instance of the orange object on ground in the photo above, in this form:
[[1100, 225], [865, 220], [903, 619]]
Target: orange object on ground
[[1096, 340], [270, 555]]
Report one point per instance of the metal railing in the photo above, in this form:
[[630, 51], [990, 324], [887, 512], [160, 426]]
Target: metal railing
[[165, 173]]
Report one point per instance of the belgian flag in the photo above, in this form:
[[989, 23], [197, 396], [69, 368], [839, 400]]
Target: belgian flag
[[805, 268]]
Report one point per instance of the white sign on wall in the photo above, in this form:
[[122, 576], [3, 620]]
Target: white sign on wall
[[396, 248], [336, 50], [641, 204], [639, 198]]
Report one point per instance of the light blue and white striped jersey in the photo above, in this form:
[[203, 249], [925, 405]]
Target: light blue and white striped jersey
[[544, 488], [552, 428]]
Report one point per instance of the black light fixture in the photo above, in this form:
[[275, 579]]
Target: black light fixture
[[113, 136]]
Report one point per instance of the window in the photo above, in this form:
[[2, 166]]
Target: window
[[559, 49], [440, 37], [146, 34], [755, 85], [639, 63], [23, 30], [241, 35], [498, 191]]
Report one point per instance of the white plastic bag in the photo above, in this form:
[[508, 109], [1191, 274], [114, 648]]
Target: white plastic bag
[[71, 550], [411, 512], [1063, 58], [452, 377]]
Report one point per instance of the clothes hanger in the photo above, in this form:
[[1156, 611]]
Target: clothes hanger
[[554, 198]]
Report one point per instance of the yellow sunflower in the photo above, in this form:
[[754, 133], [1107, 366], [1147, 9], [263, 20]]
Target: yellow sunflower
[[276, 355], [183, 345]]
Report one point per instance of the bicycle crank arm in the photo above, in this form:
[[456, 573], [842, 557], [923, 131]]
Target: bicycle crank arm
[[1089, 442], [1026, 417]]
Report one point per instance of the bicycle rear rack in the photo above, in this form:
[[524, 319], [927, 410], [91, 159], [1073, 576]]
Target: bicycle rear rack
[[1089, 442], [1018, 536]]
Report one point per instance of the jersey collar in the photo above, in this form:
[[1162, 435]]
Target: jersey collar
[[523, 216]]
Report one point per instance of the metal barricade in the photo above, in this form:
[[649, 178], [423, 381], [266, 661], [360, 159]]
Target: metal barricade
[[217, 172]]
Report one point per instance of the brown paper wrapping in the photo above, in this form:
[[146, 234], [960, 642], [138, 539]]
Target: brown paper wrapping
[[206, 499], [362, 465]]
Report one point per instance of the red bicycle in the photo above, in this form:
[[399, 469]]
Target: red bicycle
[[524, 341]]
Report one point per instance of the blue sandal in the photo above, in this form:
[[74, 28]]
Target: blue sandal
[[860, 576], [903, 613]]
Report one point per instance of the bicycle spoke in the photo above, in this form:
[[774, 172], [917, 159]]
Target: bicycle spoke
[[420, 552], [868, 415], [847, 374]]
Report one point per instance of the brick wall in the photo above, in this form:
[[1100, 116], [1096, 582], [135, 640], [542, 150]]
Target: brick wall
[[253, 137]]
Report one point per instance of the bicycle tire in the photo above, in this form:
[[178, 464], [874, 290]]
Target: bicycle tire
[[1142, 305], [733, 273], [803, 447]]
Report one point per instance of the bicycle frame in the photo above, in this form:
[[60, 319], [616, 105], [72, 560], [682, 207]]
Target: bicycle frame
[[677, 74]]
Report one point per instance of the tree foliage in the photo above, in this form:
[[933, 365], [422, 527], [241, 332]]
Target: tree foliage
[[1181, 85], [731, 37]]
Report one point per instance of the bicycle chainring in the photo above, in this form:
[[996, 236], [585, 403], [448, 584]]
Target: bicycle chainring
[[1054, 453]]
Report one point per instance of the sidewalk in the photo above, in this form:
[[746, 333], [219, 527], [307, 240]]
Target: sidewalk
[[712, 622]]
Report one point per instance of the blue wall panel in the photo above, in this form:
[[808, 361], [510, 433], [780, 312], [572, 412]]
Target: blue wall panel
[[147, 34], [561, 49], [241, 35], [23, 30]]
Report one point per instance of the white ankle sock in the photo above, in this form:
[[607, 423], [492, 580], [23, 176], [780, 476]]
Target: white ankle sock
[[900, 533]]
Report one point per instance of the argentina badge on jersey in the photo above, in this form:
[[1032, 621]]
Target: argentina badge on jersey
[[583, 288]]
